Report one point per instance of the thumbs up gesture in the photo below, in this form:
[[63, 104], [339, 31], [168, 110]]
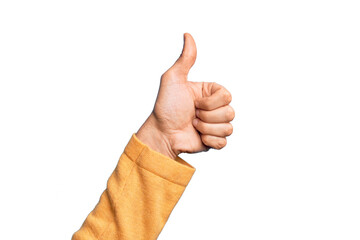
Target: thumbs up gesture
[[188, 116]]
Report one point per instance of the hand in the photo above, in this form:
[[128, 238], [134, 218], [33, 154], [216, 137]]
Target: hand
[[188, 116]]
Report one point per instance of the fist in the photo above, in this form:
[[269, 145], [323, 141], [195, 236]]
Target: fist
[[187, 116]]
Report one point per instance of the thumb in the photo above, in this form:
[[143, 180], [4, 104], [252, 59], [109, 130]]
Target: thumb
[[188, 55]]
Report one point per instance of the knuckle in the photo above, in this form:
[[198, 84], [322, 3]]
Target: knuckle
[[229, 130], [224, 142], [230, 113], [220, 143], [227, 96]]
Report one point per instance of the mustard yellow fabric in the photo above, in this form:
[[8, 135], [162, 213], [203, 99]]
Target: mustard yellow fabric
[[140, 195]]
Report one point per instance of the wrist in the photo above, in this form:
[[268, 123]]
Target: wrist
[[150, 134]]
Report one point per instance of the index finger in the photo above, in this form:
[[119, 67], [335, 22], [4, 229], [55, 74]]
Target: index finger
[[219, 97]]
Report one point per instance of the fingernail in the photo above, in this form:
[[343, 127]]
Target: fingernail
[[197, 112], [195, 121]]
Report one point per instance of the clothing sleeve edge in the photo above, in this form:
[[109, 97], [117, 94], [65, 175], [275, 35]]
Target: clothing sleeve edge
[[175, 170]]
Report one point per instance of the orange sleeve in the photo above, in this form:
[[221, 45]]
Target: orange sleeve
[[140, 195]]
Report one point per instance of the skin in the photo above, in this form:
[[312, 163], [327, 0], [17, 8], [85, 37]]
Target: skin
[[188, 117]]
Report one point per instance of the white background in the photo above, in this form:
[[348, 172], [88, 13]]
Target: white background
[[79, 77]]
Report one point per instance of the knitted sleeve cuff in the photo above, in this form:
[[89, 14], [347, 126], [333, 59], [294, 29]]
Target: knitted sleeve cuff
[[176, 170]]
